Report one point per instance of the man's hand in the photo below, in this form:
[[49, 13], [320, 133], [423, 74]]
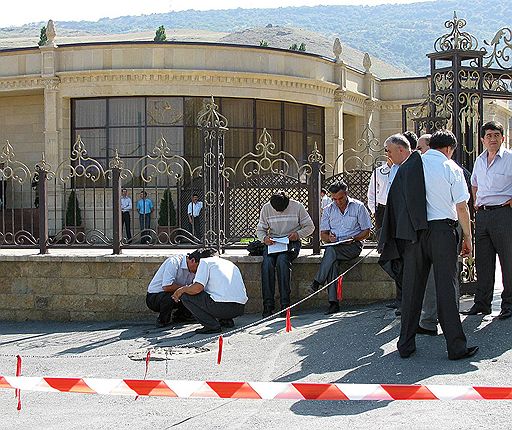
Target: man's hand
[[509, 203], [466, 246], [177, 294], [268, 241], [293, 236]]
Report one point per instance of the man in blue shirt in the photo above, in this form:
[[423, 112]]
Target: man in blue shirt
[[345, 224], [144, 207]]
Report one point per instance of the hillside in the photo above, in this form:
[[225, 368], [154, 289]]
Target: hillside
[[398, 34]]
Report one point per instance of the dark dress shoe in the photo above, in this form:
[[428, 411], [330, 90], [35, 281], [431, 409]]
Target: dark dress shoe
[[407, 354], [161, 324], [313, 288], [267, 312], [398, 311], [469, 353], [475, 310], [333, 308], [228, 323], [421, 330], [208, 330], [392, 305], [504, 314]]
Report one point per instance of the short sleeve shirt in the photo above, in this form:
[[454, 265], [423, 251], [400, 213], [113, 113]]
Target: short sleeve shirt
[[346, 224]]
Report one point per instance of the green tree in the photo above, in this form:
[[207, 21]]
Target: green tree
[[294, 47], [167, 211], [42, 36], [302, 47], [264, 43], [73, 212], [160, 34]]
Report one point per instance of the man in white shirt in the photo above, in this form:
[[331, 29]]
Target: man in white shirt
[[175, 272], [194, 216], [378, 192], [126, 207], [216, 296], [446, 201], [325, 200], [492, 190]]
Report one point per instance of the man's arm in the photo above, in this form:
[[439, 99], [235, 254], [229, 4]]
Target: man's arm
[[464, 221], [190, 290], [372, 204], [363, 235], [171, 288], [327, 236], [473, 191]]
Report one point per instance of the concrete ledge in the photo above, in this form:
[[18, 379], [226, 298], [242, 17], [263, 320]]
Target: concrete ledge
[[92, 285]]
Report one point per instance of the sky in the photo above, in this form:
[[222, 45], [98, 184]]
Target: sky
[[15, 13]]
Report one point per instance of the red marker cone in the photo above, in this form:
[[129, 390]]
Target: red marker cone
[[288, 321], [219, 354], [17, 391], [339, 289]]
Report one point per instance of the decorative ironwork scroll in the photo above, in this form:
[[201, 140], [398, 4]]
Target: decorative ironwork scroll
[[456, 39], [499, 49]]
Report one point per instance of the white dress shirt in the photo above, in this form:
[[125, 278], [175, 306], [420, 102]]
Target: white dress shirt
[[172, 270], [222, 280], [378, 187], [445, 185], [126, 204], [194, 209], [494, 181]]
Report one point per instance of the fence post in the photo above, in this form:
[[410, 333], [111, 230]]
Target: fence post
[[42, 189], [314, 202], [116, 165], [213, 126]]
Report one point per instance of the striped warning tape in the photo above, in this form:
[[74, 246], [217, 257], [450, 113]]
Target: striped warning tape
[[254, 390]]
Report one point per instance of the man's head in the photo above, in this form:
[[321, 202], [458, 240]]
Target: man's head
[[424, 143], [194, 258], [493, 136], [279, 201], [339, 194], [398, 148], [195, 198], [323, 192], [124, 192], [143, 194], [444, 141], [412, 138]]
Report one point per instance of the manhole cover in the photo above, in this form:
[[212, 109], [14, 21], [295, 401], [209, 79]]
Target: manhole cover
[[166, 353]]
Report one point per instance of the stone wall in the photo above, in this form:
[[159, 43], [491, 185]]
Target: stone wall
[[74, 288]]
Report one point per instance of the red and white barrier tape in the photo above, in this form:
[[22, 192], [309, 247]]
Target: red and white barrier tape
[[254, 390]]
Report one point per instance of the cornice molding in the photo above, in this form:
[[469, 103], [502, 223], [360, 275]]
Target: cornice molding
[[22, 83]]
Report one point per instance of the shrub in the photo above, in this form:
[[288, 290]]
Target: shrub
[[73, 212], [167, 211]]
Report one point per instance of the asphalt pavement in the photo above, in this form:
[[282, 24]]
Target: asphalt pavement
[[357, 345]]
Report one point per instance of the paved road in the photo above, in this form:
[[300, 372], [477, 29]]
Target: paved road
[[357, 345]]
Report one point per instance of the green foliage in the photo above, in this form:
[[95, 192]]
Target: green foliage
[[42, 36], [302, 47], [264, 43], [167, 212], [73, 212], [160, 34], [294, 47]]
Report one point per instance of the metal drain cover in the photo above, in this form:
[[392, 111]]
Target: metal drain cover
[[166, 353]]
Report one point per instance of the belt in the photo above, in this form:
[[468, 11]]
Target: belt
[[451, 222], [380, 206], [490, 207]]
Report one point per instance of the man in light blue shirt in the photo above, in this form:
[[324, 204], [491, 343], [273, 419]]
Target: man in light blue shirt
[[492, 189], [345, 224], [145, 208]]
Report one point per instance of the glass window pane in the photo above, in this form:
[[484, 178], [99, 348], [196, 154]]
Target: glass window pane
[[172, 135], [293, 115], [238, 142], [192, 144], [191, 107], [90, 113], [314, 119], [238, 112], [293, 145], [126, 111], [129, 142], [164, 111], [94, 140], [268, 114]]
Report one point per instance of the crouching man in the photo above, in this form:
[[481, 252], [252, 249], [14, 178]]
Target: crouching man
[[216, 296]]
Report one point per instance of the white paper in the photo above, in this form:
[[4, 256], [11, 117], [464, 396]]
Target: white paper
[[280, 245], [349, 240]]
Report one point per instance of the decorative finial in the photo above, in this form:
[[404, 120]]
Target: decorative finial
[[367, 62], [337, 49], [50, 33]]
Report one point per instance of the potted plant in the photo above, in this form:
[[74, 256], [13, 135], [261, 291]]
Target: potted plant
[[166, 214], [73, 219]]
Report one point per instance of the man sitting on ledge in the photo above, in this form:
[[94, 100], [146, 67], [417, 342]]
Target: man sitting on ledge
[[216, 296], [345, 224]]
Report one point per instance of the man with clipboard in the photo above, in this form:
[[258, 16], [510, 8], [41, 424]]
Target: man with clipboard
[[345, 224], [283, 223]]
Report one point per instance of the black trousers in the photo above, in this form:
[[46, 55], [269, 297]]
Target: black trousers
[[328, 269], [196, 227], [162, 303], [208, 312], [437, 246], [493, 235], [379, 216], [282, 262], [125, 218]]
